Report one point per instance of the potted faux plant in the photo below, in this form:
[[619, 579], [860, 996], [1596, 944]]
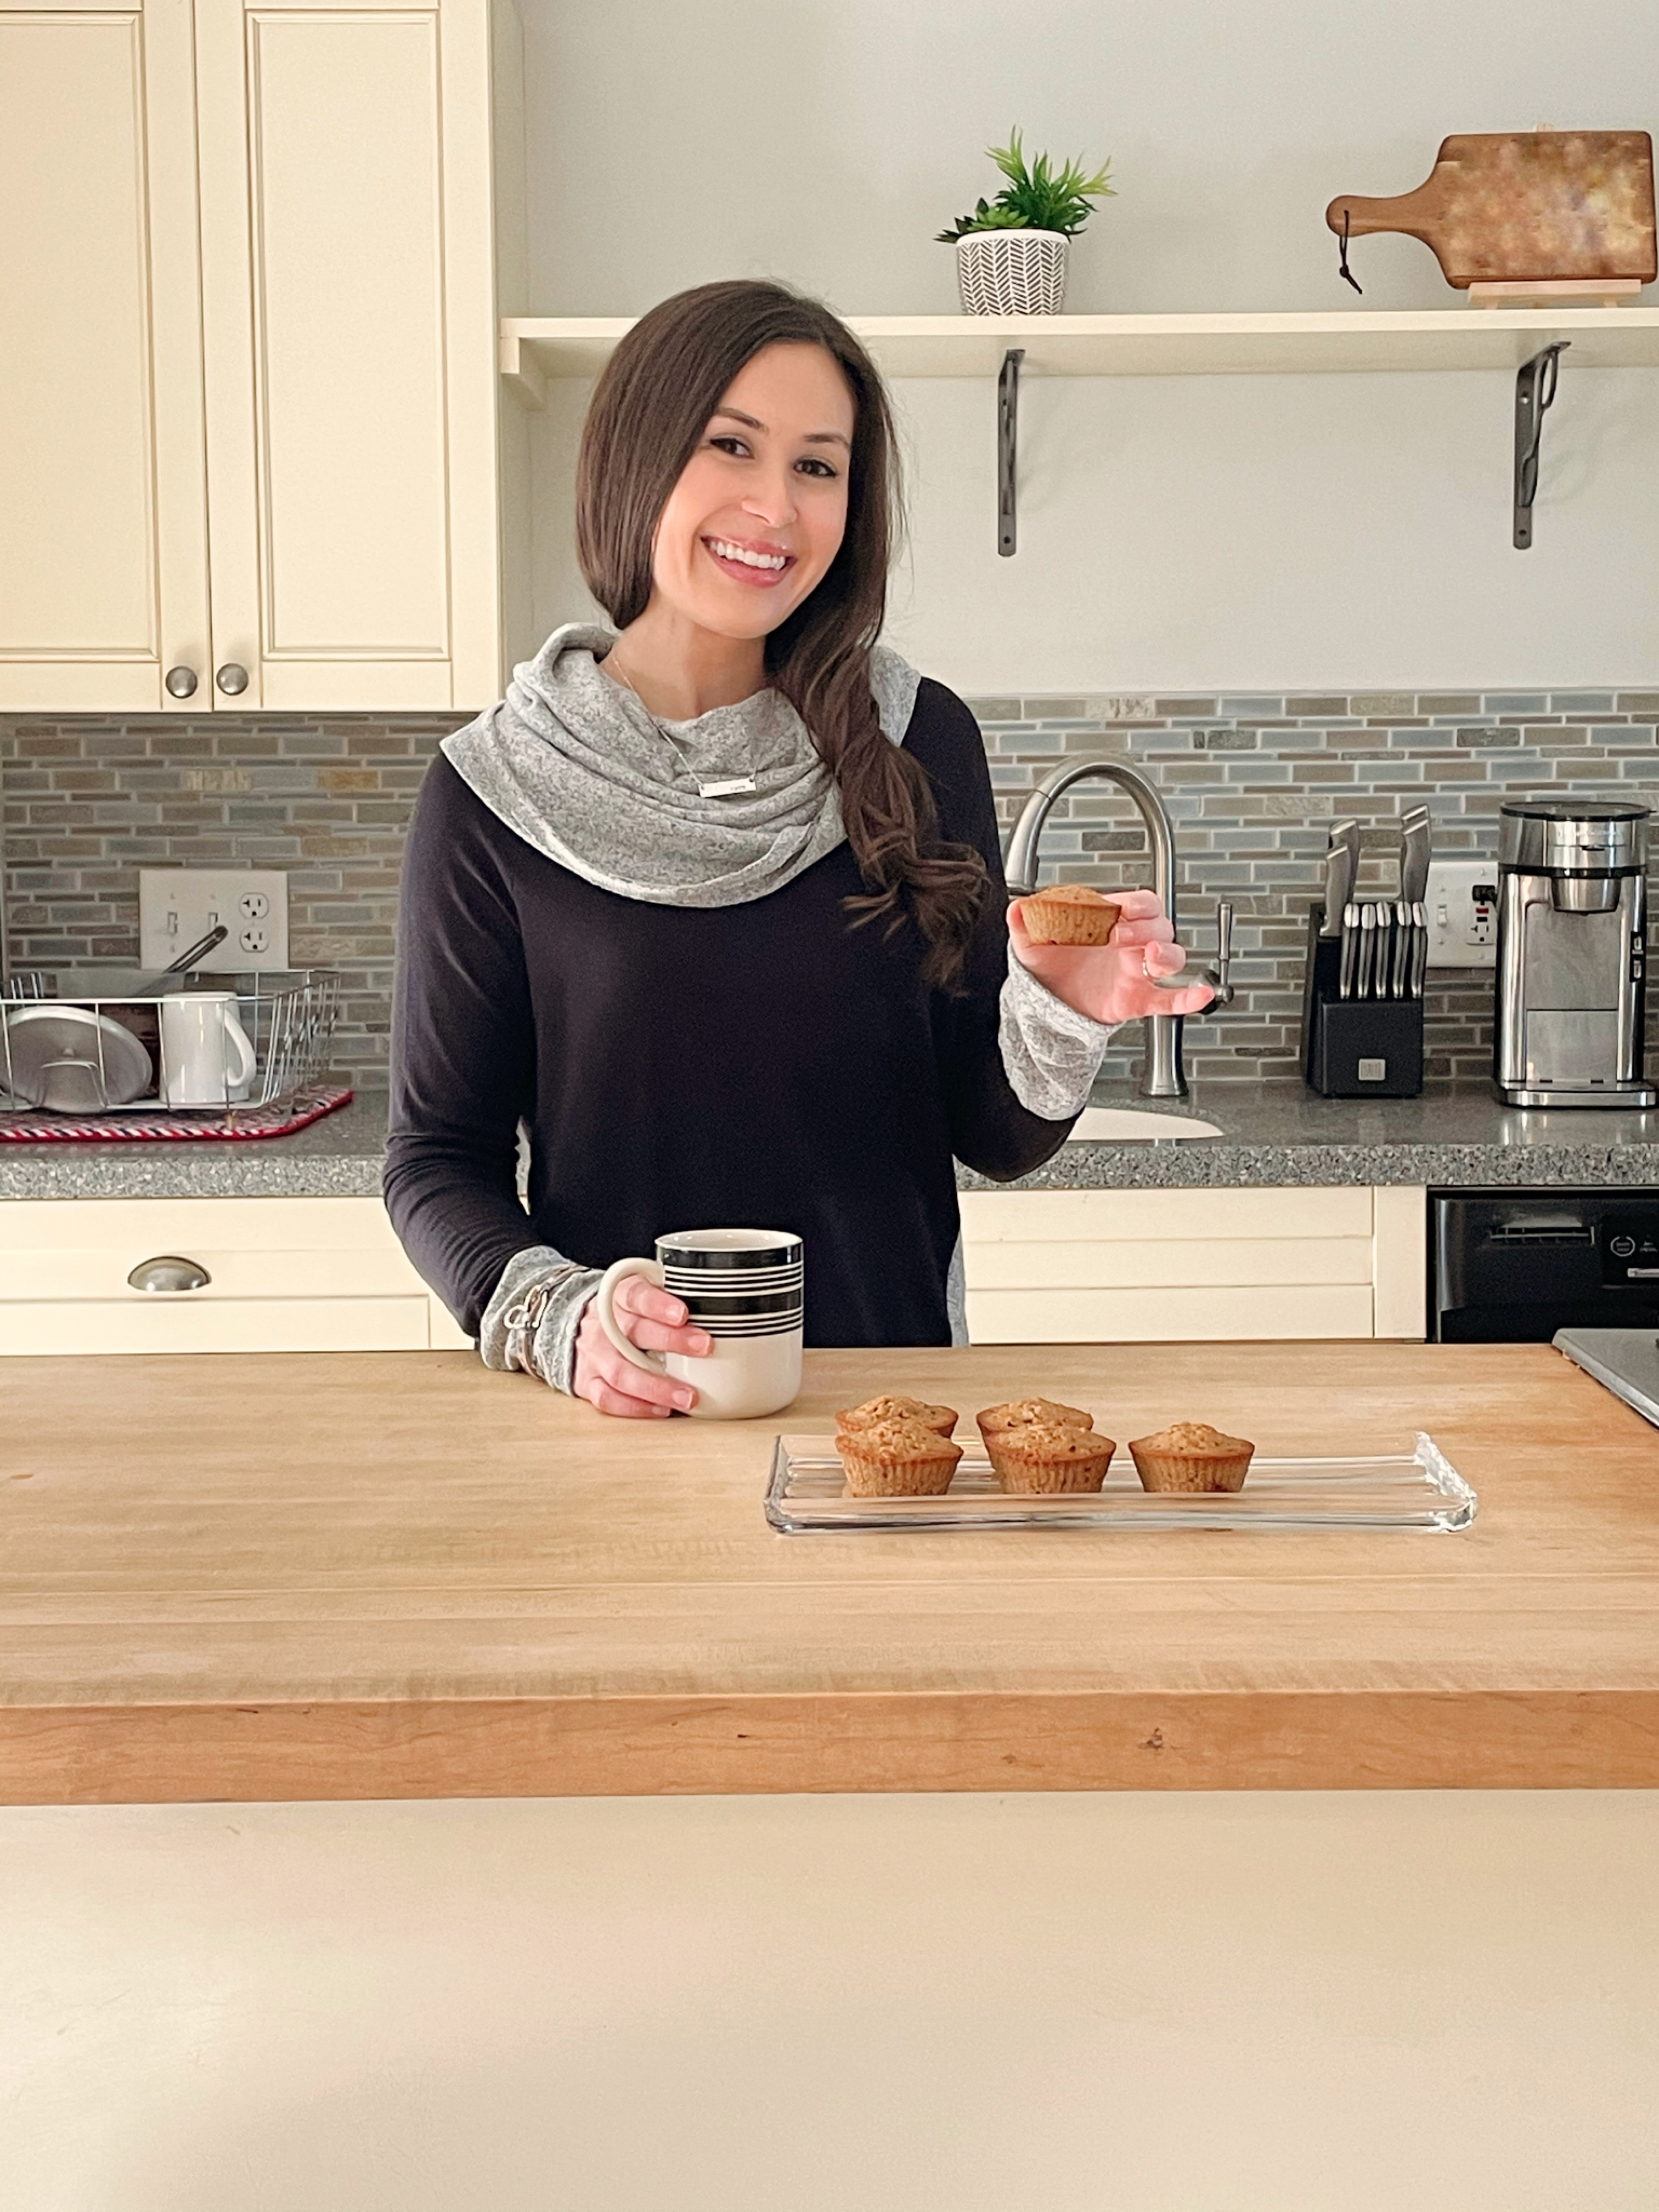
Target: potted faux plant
[[1011, 251]]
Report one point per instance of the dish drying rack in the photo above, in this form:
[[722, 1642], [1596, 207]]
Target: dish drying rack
[[289, 1019]]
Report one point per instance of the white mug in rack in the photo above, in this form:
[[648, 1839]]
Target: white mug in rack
[[207, 1056]]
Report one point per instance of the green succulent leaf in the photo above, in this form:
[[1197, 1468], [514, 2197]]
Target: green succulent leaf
[[1035, 196]]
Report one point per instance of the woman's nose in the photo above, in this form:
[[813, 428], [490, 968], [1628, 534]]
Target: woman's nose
[[773, 501]]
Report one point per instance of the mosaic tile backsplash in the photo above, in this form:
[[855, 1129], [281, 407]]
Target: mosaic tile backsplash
[[328, 799], [1251, 781]]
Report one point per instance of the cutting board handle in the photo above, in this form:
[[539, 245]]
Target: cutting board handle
[[1409, 212]]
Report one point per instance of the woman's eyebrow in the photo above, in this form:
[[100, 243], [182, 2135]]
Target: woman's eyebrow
[[812, 437]]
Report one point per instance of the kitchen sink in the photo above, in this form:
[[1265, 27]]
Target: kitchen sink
[[1110, 1125]]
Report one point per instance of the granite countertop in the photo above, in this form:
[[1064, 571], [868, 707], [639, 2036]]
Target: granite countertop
[[1280, 1134], [1273, 1134], [338, 1156]]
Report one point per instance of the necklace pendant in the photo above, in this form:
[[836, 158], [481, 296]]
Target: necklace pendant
[[728, 790]]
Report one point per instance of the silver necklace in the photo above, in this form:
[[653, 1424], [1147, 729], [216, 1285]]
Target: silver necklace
[[726, 787]]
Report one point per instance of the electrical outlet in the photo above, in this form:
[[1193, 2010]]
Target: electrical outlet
[[1463, 922], [178, 906]]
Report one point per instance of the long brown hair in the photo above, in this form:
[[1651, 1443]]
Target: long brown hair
[[651, 405]]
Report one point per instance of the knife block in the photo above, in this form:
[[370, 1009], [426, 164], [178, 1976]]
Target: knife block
[[1355, 1048]]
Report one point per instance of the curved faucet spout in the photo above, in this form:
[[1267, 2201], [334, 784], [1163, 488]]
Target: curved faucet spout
[[1022, 865], [1163, 1075]]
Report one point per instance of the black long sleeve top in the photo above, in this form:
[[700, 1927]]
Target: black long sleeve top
[[765, 1065]]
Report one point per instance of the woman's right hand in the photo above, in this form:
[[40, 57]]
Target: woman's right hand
[[654, 1320]]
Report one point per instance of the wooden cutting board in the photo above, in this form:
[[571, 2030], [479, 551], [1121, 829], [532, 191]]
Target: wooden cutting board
[[1504, 206]]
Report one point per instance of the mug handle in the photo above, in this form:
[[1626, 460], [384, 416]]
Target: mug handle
[[236, 1036], [653, 1362]]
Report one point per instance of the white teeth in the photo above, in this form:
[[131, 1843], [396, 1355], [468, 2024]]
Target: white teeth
[[727, 552]]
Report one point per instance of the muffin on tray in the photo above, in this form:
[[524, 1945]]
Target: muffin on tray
[[1191, 1455], [997, 1421], [897, 1459], [895, 1406], [1042, 1459], [1069, 914]]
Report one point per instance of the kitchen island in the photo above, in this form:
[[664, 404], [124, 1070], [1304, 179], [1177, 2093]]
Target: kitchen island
[[391, 1576], [1049, 1869]]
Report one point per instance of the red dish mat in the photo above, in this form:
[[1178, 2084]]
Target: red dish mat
[[161, 1127]]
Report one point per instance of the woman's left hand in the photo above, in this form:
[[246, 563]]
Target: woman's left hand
[[1113, 982]]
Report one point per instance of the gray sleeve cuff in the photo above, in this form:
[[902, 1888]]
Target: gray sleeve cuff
[[537, 1336], [1051, 1053]]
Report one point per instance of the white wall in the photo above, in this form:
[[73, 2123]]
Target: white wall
[[1179, 533], [1366, 2002]]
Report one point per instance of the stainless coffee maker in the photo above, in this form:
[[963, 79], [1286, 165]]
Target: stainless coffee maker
[[1571, 933]]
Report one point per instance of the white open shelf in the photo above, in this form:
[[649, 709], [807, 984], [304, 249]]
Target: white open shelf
[[535, 348]]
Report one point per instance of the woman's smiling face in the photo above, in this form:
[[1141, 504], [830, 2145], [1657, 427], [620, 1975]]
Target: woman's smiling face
[[757, 515]]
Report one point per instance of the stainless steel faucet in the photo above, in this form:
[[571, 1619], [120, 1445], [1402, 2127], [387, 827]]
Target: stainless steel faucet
[[1163, 1075]]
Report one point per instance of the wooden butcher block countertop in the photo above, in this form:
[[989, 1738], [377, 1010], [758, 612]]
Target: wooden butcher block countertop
[[398, 1575]]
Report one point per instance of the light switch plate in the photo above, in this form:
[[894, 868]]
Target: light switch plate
[[1462, 928], [177, 906]]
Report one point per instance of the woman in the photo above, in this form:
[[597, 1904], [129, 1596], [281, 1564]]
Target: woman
[[713, 905]]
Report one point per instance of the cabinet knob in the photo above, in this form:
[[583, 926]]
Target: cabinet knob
[[232, 678], [180, 680], [170, 1274]]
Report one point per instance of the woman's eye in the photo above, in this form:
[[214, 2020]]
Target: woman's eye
[[727, 441]]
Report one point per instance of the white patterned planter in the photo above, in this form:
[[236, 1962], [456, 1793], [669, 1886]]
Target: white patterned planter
[[1012, 272]]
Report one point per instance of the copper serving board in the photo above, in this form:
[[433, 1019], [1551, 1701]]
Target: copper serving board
[[1421, 1489]]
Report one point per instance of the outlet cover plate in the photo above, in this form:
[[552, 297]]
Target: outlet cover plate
[[1462, 930], [177, 906]]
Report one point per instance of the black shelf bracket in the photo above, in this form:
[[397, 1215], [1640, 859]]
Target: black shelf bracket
[[1007, 441], [1534, 393]]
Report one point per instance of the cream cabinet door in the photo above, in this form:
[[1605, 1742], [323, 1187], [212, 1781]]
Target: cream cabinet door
[[103, 494], [348, 310], [276, 1274], [1136, 1267]]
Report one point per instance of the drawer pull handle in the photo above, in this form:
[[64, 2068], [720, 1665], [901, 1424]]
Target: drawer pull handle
[[169, 1273]]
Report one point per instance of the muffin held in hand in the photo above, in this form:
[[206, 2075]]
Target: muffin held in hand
[[1069, 914], [1043, 1459], [942, 1419], [1191, 1455], [897, 1459]]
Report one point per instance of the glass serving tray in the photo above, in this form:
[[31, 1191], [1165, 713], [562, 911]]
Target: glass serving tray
[[1419, 1490]]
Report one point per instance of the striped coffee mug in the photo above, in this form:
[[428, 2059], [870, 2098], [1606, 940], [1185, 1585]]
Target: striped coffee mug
[[745, 1287]]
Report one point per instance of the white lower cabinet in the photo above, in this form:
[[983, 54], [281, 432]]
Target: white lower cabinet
[[1074, 1266], [1136, 1267], [283, 1275]]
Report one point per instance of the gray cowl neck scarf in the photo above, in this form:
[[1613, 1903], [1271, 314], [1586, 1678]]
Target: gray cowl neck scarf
[[582, 770]]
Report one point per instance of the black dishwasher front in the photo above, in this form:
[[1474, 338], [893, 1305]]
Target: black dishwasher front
[[1513, 1266]]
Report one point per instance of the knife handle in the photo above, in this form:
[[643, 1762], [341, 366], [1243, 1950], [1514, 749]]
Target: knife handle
[[1350, 949], [1384, 960], [1419, 948], [1330, 919], [1340, 861], [1403, 949]]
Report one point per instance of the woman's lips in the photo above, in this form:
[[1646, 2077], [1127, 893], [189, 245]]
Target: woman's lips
[[761, 579]]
